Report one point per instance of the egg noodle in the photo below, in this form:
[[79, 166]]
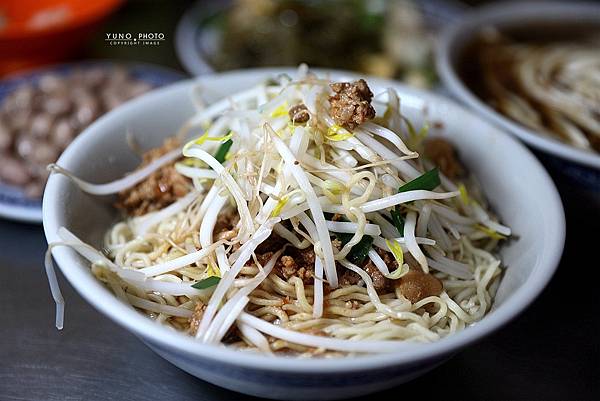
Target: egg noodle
[[553, 89], [321, 188]]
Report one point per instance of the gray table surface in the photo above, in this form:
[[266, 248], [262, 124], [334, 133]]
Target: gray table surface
[[550, 352]]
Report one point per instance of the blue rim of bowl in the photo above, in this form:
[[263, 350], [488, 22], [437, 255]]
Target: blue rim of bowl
[[188, 347], [14, 205]]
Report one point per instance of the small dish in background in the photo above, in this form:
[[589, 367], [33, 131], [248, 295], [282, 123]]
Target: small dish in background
[[576, 167], [389, 39], [43, 110]]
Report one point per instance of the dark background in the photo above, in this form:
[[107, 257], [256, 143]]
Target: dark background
[[550, 352]]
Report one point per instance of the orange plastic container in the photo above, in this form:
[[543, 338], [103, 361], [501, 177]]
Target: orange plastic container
[[35, 32]]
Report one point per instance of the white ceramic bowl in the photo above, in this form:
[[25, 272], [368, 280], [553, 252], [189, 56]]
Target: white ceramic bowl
[[519, 189], [579, 166]]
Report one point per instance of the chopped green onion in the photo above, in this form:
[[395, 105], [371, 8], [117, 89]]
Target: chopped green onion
[[427, 181], [397, 220], [358, 253], [223, 150], [212, 279], [207, 283], [360, 250]]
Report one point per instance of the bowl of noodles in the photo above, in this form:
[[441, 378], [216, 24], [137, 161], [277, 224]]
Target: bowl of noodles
[[301, 234], [532, 68]]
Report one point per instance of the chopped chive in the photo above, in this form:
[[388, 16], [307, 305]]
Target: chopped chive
[[358, 253], [398, 220], [360, 250], [427, 181], [207, 283], [222, 151]]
